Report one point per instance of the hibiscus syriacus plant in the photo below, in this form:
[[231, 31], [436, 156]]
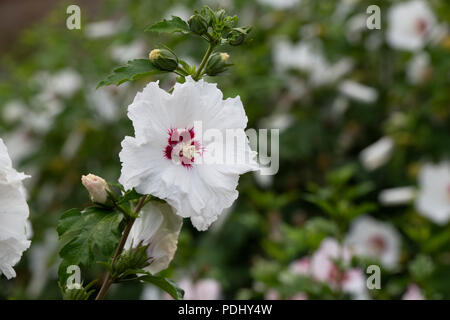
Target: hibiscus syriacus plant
[[180, 163]]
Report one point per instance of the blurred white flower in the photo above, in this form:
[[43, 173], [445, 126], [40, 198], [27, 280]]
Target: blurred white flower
[[203, 289], [396, 196], [179, 10], [40, 256], [158, 227], [410, 24], [375, 239], [280, 4], [104, 102], [355, 26], [125, 52], [21, 144], [358, 91], [105, 28], [419, 68], [14, 110], [13, 215], [307, 56], [64, 83], [167, 159], [281, 121], [96, 186], [433, 201], [413, 293], [377, 154]]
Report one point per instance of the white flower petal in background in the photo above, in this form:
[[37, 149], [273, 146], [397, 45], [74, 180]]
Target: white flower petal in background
[[169, 158], [203, 289], [397, 196], [13, 215], [374, 239], [159, 227], [280, 4], [39, 261], [410, 25], [418, 69], [308, 57], [105, 28], [125, 52], [14, 111], [433, 201], [377, 154], [358, 91], [179, 10]]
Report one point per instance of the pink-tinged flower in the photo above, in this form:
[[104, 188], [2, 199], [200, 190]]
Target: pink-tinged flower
[[301, 266], [410, 25], [433, 200], [375, 239], [203, 289], [323, 262], [181, 152], [299, 296], [330, 264], [157, 226], [13, 215], [413, 293], [272, 294], [97, 187]]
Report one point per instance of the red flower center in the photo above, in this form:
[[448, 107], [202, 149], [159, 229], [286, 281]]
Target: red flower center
[[182, 148], [378, 243], [421, 26]]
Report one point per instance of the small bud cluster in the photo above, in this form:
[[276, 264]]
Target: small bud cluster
[[217, 28]]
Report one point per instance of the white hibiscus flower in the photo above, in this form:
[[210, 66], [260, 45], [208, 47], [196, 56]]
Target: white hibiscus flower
[[371, 238], [13, 215], [158, 227], [433, 200], [410, 25], [178, 149]]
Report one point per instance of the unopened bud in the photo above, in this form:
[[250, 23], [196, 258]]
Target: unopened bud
[[198, 24], [237, 36], [164, 59], [97, 188], [217, 63]]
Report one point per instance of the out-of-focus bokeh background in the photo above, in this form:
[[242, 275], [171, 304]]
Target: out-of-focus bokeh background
[[364, 120]]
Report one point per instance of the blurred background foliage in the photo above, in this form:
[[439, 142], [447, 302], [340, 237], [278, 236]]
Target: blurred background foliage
[[58, 127]]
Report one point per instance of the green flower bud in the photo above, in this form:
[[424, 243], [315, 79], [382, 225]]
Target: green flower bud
[[198, 24], [217, 63], [237, 36], [164, 59]]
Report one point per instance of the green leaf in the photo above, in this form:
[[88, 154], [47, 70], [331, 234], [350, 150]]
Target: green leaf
[[134, 70], [86, 232], [165, 284], [176, 24]]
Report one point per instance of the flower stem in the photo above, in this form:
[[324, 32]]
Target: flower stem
[[108, 281], [204, 60]]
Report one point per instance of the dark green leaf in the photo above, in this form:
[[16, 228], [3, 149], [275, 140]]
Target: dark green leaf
[[86, 232], [165, 284], [176, 24], [134, 70]]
